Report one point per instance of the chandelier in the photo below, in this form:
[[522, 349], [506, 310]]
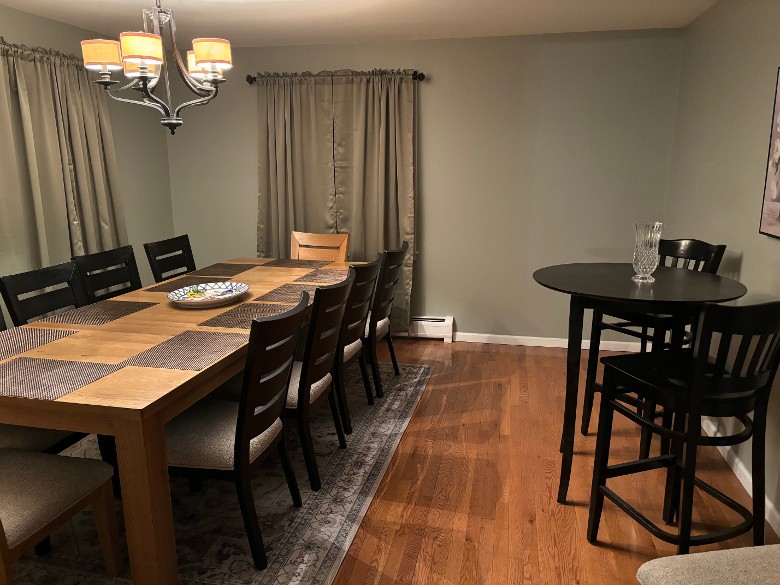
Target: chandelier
[[141, 56]]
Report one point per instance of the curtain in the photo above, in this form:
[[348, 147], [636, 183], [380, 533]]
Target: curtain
[[337, 154], [59, 191]]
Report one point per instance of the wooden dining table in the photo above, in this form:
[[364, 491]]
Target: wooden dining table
[[142, 369]]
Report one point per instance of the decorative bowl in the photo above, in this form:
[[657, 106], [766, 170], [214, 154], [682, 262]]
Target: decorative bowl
[[209, 294]]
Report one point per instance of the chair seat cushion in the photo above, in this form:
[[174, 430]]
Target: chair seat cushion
[[741, 566], [316, 389], [351, 349], [36, 488], [28, 438], [382, 327], [204, 436]]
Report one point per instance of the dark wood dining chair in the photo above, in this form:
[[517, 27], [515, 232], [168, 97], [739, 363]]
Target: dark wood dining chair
[[108, 274], [728, 374], [169, 258], [311, 379], [378, 325], [227, 440], [330, 247], [353, 325], [685, 254], [38, 293], [39, 493]]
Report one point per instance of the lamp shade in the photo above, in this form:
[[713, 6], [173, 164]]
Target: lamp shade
[[133, 70], [212, 53], [101, 54], [197, 71], [140, 46]]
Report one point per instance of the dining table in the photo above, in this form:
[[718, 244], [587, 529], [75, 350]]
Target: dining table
[[125, 367], [678, 293]]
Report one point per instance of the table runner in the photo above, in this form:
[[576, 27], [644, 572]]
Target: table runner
[[324, 276], [99, 313], [188, 280], [288, 293], [21, 339], [189, 350], [291, 263], [223, 269], [240, 317], [46, 379]]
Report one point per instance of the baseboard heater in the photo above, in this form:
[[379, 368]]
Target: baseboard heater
[[431, 328]]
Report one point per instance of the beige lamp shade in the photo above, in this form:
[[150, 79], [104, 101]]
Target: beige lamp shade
[[212, 54], [133, 70], [140, 46], [195, 70], [101, 54]]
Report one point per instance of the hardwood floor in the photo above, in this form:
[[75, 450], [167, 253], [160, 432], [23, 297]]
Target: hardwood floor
[[469, 496]]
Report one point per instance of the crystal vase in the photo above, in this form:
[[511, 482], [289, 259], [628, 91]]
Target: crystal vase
[[648, 235]]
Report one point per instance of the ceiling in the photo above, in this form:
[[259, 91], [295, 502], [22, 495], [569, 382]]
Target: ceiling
[[295, 22]]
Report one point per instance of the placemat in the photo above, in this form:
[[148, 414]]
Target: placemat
[[288, 293], [190, 350], [223, 269], [189, 280], [99, 313], [21, 339], [290, 263], [324, 276], [45, 379], [240, 317]]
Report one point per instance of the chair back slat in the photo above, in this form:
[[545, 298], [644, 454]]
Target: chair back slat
[[330, 247], [270, 355], [322, 338], [386, 285], [359, 302], [2, 322], [171, 257], [691, 255], [745, 343], [108, 274], [38, 293]]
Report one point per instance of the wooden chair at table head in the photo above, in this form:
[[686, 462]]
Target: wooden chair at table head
[[28, 299], [169, 258], [108, 274], [330, 247]]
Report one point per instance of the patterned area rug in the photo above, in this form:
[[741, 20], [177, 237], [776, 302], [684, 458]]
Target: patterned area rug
[[304, 545]]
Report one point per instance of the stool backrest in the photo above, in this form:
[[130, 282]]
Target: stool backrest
[[169, 258], [34, 294], [108, 274], [691, 254]]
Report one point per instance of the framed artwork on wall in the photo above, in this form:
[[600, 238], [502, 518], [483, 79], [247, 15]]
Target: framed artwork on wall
[[770, 210]]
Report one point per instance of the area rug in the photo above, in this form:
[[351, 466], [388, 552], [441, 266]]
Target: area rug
[[304, 545]]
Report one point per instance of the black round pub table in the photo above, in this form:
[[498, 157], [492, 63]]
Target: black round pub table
[[608, 287]]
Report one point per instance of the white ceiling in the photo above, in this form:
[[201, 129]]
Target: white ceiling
[[294, 22]]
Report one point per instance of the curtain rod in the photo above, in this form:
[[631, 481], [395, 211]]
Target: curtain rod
[[416, 76]]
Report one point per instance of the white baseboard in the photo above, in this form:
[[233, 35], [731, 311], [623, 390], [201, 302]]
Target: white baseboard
[[630, 346], [743, 474]]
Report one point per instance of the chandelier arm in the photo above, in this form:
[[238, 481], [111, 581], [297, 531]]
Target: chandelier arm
[[189, 81], [137, 102], [164, 107], [197, 102], [130, 85]]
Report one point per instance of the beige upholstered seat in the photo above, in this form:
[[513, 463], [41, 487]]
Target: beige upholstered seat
[[316, 389], [351, 349], [28, 438], [382, 327], [204, 436], [758, 565]]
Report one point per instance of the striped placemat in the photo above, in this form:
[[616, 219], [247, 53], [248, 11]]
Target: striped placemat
[[190, 350], [288, 293], [21, 339], [46, 379], [223, 269], [290, 263], [240, 317], [189, 280], [99, 313], [324, 276]]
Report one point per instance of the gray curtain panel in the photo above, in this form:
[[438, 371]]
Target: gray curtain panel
[[58, 173], [337, 154]]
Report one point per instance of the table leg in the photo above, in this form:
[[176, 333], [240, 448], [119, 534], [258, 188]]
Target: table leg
[[146, 498], [573, 353]]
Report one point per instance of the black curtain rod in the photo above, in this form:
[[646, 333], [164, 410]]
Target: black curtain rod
[[416, 76]]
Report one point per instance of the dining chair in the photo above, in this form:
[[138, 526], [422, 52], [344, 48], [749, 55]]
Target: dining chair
[[353, 324], [108, 274], [378, 325], [169, 258], [39, 493], [311, 378], [727, 375], [227, 440], [686, 254], [35, 294], [330, 247]]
